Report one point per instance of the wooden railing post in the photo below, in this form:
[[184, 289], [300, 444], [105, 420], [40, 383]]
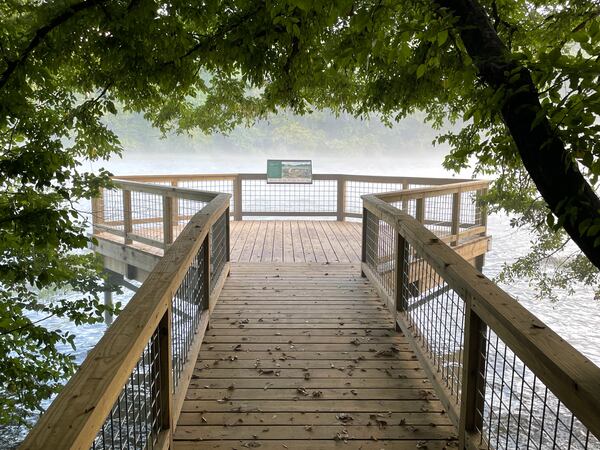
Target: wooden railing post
[[455, 224], [127, 216], [227, 238], [472, 388], [166, 375], [420, 211], [400, 271], [341, 198], [207, 270], [482, 209], [175, 206], [237, 198], [405, 186], [98, 210], [167, 220], [363, 246]]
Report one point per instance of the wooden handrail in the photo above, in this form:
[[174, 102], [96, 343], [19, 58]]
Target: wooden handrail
[[433, 191], [79, 411], [572, 377], [340, 210], [167, 191], [263, 176]]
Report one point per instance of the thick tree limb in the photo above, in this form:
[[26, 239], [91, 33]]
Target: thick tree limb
[[41, 33], [554, 172]]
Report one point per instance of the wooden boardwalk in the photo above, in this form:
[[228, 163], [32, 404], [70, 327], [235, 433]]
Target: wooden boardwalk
[[295, 241], [306, 356]]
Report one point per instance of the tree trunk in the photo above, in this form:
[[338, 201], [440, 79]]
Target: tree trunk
[[551, 167]]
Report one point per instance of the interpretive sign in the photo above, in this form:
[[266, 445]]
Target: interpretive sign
[[289, 171]]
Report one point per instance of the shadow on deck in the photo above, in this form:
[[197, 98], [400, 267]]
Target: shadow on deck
[[306, 356]]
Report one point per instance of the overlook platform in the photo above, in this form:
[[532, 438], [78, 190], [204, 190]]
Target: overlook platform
[[350, 313]]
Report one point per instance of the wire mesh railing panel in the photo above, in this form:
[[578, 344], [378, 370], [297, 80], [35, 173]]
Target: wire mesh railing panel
[[406, 206], [188, 303], [110, 209], [147, 215], [218, 246], [318, 197], [470, 209], [516, 410], [184, 210], [438, 214], [224, 186], [134, 421], [435, 314], [356, 189], [380, 251]]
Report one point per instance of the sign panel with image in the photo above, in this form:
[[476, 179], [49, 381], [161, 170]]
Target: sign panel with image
[[289, 171]]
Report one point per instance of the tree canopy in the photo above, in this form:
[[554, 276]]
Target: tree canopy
[[522, 77]]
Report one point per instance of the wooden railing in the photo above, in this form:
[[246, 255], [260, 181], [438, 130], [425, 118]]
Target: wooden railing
[[506, 379], [146, 213], [153, 209], [330, 195], [129, 390]]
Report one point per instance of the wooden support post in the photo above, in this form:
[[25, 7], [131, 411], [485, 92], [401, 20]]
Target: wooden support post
[[166, 374], [98, 210], [175, 206], [237, 198], [207, 271], [108, 302], [401, 269], [473, 386], [363, 246], [167, 220], [227, 238], [420, 212], [341, 199], [127, 216], [482, 210], [455, 224], [405, 186]]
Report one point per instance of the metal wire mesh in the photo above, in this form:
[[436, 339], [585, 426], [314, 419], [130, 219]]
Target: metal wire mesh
[[134, 420], [380, 250], [223, 186], [109, 212], [356, 189], [435, 314], [438, 214], [146, 215], [188, 303], [219, 246], [518, 411], [318, 197], [183, 211]]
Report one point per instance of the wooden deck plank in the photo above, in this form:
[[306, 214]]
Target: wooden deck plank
[[246, 252], [288, 245], [305, 356], [269, 243], [278, 242], [297, 243], [339, 234]]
